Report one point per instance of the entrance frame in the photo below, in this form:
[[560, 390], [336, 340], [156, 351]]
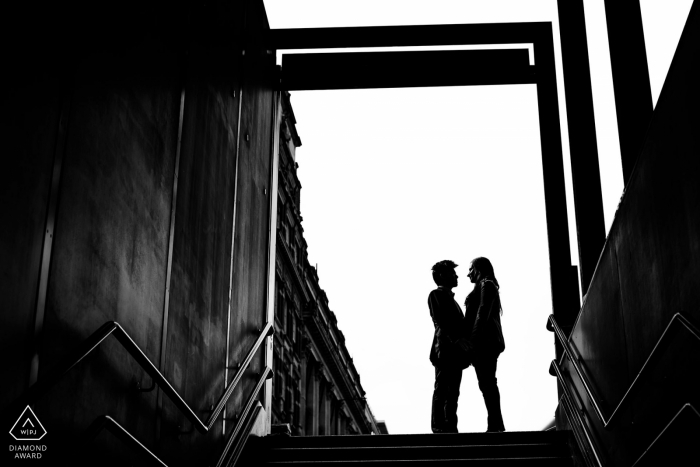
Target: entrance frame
[[563, 276]]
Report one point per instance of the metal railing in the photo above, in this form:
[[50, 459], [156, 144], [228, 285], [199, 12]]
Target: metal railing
[[580, 430], [689, 411], [678, 321], [39, 389], [105, 422], [235, 442]]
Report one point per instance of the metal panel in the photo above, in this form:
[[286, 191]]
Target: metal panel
[[111, 242], [600, 337], [250, 269], [199, 286], [657, 233]]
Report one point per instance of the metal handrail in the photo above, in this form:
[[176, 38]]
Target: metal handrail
[[267, 331], [40, 388], [578, 421], [234, 441], [566, 345], [685, 408], [105, 422]]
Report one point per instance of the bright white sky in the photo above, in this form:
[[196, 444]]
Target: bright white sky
[[395, 180]]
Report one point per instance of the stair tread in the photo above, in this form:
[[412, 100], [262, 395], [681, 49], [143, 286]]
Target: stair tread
[[430, 446], [366, 461], [417, 452], [512, 437], [510, 448]]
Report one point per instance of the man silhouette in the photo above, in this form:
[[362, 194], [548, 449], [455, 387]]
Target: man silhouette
[[448, 321]]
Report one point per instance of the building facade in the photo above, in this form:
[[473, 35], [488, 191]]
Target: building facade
[[316, 387]]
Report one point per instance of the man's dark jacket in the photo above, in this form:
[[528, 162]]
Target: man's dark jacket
[[448, 320], [482, 319]]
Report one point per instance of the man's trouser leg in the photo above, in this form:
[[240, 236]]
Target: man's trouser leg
[[445, 395]]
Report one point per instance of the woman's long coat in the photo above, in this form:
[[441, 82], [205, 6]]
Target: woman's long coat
[[482, 319]]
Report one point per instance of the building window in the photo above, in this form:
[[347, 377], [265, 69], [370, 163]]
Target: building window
[[289, 402], [291, 326], [277, 382], [283, 386], [281, 310], [297, 403], [279, 306], [277, 295]]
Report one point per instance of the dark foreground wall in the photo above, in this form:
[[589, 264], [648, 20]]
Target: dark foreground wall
[[137, 180], [649, 271]]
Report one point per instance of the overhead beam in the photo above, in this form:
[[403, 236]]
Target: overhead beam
[[361, 70], [405, 36], [564, 285]]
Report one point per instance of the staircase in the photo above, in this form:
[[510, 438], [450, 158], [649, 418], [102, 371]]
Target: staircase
[[537, 448]]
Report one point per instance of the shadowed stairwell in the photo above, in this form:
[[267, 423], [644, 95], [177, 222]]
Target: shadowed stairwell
[[143, 189]]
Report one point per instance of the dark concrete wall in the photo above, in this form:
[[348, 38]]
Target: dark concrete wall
[[118, 76], [25, 182], [648, 271], [111, 242]]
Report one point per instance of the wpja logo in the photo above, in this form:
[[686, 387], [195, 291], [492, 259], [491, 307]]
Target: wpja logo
[[28, 428]]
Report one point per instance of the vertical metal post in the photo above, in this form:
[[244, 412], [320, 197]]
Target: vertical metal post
[[628, 60], [171, 236], [227, 362], [564, 295], [272, 244], [49, 232], [583, 147], [171, 240]]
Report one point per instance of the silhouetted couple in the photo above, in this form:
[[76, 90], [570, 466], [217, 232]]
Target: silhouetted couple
[[462, 339]]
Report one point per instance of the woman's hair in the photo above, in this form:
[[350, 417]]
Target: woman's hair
[[485, 268]]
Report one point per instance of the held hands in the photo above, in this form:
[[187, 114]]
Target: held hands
[[464, 351]]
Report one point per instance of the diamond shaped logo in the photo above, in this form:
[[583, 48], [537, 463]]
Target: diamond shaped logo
[[28, 427]]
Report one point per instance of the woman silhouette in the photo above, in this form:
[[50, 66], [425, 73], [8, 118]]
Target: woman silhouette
[[482, 317]]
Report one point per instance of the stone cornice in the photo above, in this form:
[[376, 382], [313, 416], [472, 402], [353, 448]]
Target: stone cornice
[[290, 119]]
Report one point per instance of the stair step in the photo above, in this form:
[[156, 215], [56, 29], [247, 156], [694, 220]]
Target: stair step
[[419, 452], [471, 449], [491, 462], [447, 439]]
